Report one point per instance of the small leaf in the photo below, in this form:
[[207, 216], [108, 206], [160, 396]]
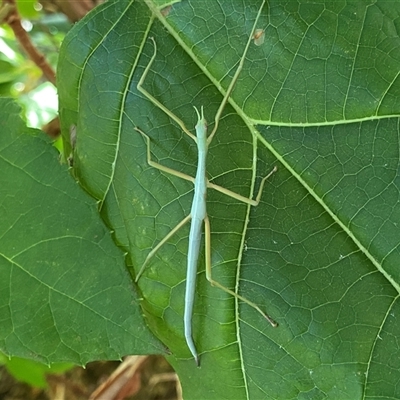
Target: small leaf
[[65, 292]]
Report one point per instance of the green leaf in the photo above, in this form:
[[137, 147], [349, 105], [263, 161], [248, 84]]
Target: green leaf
[[32, 372], [65, 292], [319, 98]]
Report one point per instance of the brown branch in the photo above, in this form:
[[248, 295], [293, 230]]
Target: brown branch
[[14, 20], [73, 9]]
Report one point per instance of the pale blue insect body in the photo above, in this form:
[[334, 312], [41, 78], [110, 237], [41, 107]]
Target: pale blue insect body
[[198, 213]]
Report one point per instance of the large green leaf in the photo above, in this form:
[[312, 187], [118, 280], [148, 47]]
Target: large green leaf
[[319, 99], [65, 292]]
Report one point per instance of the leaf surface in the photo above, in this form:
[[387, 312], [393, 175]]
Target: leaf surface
[[319, 99], [65, 292]]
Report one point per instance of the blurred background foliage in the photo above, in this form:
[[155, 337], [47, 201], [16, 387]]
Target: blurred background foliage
[[20, 78]]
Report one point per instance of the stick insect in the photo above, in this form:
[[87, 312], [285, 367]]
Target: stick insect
[[198, 213]]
